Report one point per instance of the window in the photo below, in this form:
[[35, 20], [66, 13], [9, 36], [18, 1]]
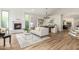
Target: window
[[27, 18], [0, 20], [4, 19]]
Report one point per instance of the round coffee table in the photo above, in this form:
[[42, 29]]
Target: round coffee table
[[28, 36]]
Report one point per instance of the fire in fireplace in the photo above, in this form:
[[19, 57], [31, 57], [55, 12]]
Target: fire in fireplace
[[17, 26]]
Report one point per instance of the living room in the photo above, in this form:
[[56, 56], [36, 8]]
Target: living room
[[30, 27]]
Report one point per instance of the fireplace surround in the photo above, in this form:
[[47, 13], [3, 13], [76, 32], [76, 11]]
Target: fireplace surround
[[17, 26]]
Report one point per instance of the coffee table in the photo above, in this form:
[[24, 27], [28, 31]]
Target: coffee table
[[27, 36]]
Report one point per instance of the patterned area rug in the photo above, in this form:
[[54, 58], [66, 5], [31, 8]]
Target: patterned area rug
[[28, 39]]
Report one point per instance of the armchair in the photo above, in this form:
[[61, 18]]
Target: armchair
[[54, 30], [74, 34]]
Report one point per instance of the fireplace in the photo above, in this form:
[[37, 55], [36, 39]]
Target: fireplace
[[17, 26]]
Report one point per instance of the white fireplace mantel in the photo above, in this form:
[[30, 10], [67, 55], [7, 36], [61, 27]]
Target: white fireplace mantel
[[17, 21], [19, 30]]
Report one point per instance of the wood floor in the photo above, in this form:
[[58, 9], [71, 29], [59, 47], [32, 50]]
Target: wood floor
[[58, 41]]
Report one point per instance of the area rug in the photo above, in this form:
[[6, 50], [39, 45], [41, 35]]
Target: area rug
[[29, 39]]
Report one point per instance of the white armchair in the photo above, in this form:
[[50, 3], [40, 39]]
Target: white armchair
[[74, 34], [54, 30], [40, 31]]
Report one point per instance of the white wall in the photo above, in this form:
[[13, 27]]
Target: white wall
[[57, 20], [13, 16], [16, 15], [19, 14], [71, 13]]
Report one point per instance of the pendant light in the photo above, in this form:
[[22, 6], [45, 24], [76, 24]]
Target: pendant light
[[46, 16]]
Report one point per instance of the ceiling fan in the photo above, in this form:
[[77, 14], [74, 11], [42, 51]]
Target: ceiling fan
[[46, 16]]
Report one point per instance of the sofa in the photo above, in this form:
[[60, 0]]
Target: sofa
[[40, 31]]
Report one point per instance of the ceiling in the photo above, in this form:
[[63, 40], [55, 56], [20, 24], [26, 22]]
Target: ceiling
[[73, 12], [42, 11], [35, 11]]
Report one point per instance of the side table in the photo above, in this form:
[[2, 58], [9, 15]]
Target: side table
[[7, 36]]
